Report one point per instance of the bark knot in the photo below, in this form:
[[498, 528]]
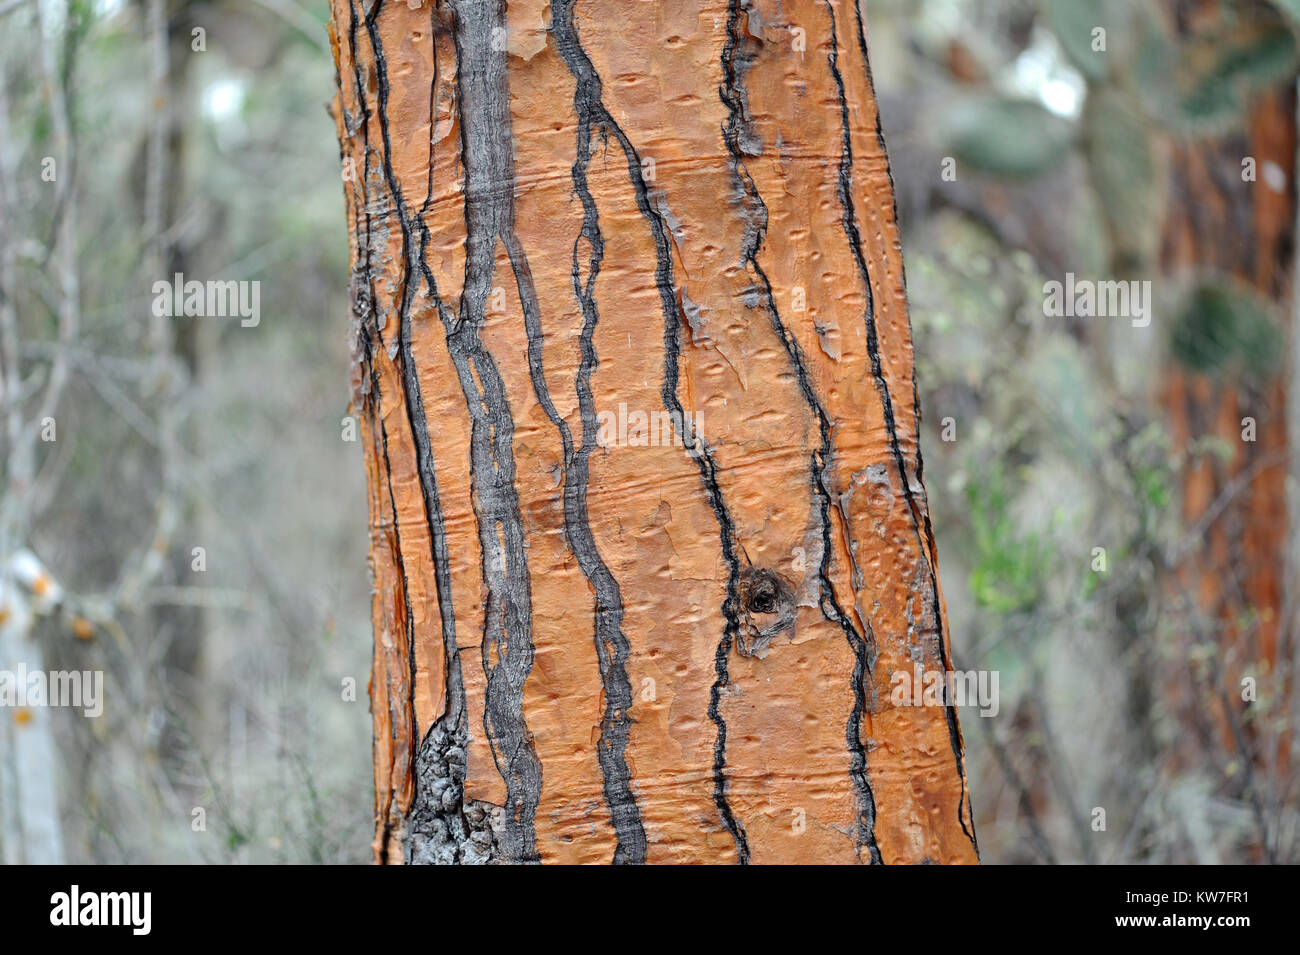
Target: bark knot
[[767, 602]]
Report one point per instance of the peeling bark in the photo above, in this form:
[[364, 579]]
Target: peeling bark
[[679, 216]]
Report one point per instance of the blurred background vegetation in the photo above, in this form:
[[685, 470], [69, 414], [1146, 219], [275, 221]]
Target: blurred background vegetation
[[1109, 540]]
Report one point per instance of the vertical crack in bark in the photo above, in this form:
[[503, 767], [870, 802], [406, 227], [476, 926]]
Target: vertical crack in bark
[[589, 89], [367, 334], [441, 826], [486, 156], [612, 647], [437, 827], [731, 93], [877, 370], [409, 622], [611, 644]]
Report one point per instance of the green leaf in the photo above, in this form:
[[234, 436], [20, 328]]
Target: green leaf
[[1199, 85], [1210, 107], [1258, 59], [1007, 137], [1073, 23], [1217, 75]]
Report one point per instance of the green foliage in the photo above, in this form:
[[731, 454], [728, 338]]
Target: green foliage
[[1258, 58], [1153, 486], [1214, 446], [1008, 137], [1007, 572], [1244, 65], [1073, 23], [1201, 85], [1223, 328]]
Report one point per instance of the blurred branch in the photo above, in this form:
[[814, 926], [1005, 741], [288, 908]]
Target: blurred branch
[[152, 561], [1236, 486], [215, 598], [69, 282], [10, 339], [1023, 797]]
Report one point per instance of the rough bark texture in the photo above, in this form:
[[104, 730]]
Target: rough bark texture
[[639, 650]]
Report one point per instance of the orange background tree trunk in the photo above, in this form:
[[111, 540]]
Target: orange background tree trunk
[[635, 374], [1233, 592]]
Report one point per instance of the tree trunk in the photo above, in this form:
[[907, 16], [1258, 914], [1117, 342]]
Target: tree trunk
[[649, 538], [1233, 593]]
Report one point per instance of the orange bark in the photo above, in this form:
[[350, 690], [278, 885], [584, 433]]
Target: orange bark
[[1221, 225], [610, 649]]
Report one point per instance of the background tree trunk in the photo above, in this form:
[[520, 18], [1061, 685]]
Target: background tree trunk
[[599, 636], [1231, 599]]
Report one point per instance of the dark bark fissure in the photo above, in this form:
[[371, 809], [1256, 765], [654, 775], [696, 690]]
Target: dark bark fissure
[[964, 808], [589, 91], [611, 644], [756, 214], [441, 825], [882, 387], [487, 162], [367, 335]]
